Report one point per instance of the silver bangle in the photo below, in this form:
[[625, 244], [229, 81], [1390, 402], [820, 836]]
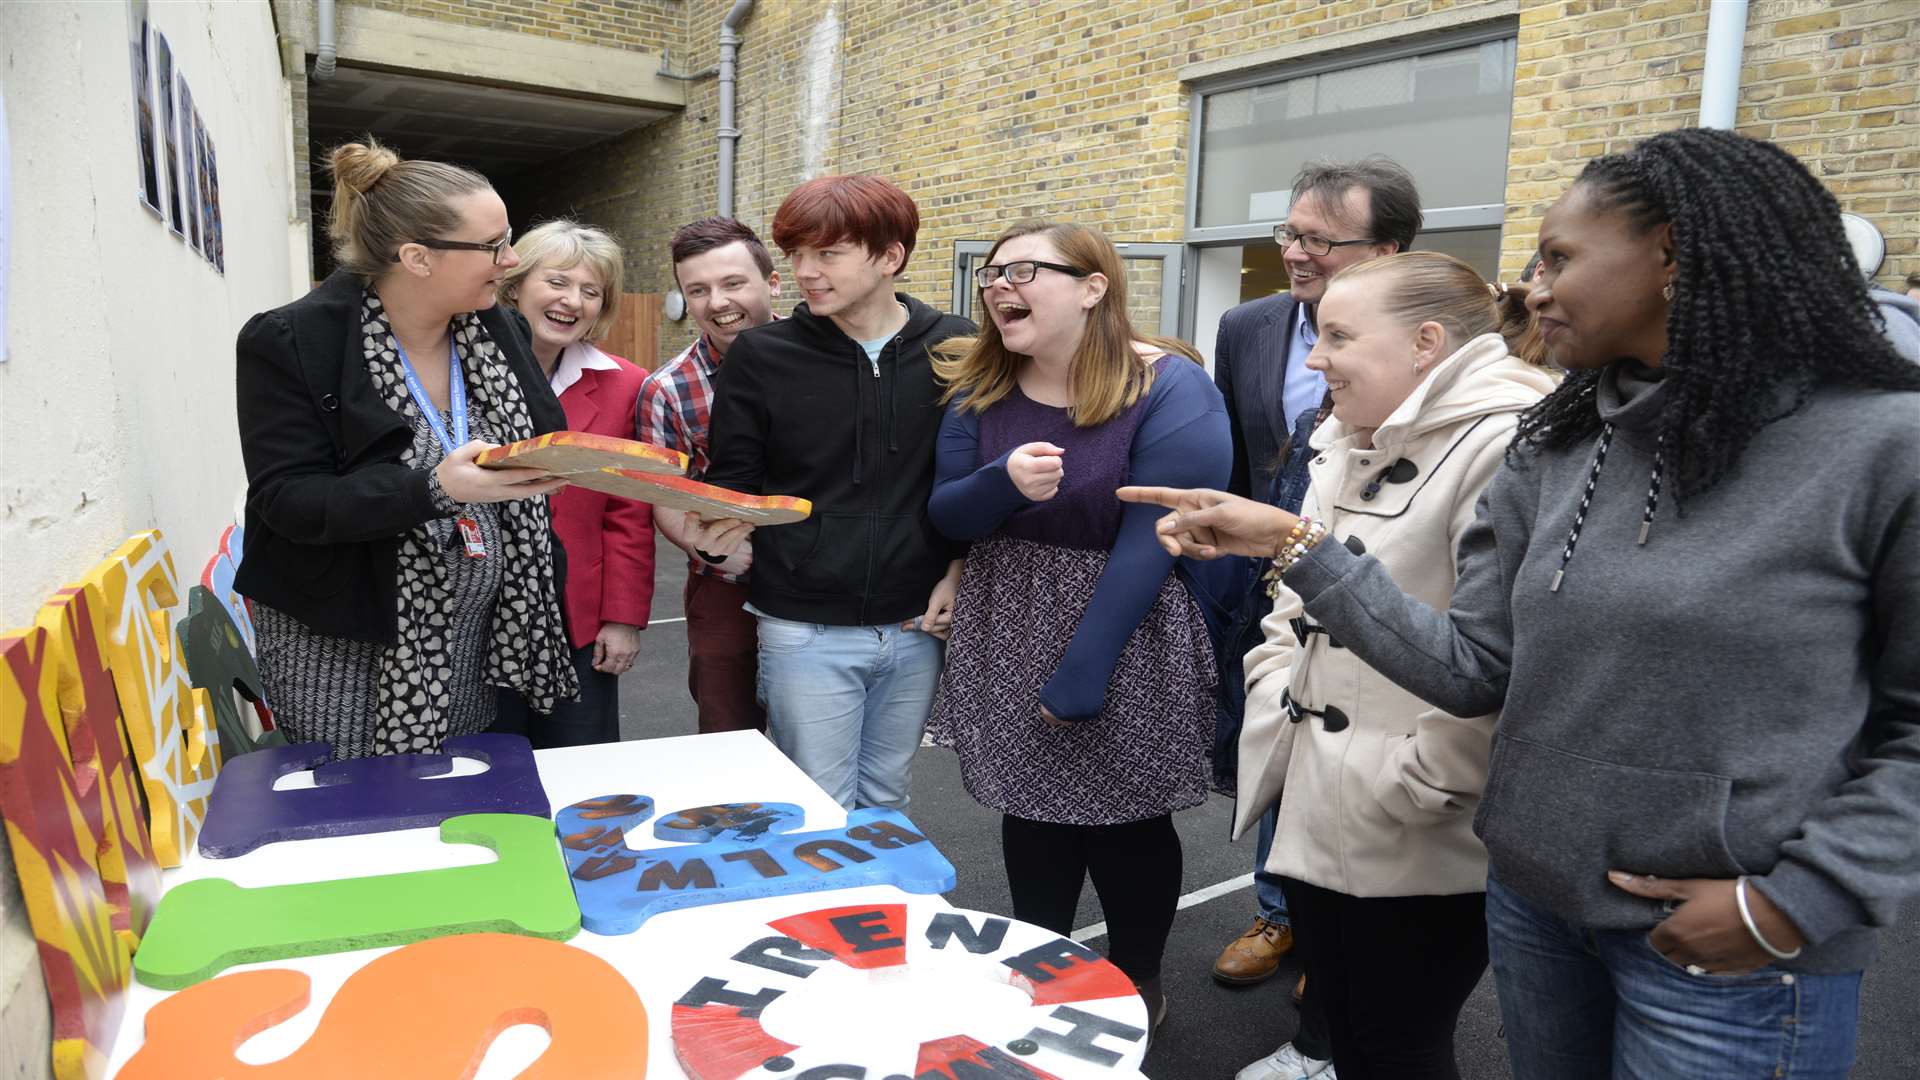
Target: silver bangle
[[1746, 916]]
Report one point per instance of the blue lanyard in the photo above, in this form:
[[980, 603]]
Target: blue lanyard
[[456, 397]]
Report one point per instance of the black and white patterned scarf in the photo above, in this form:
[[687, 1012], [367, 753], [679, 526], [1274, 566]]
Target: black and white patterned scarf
[[529, 651]]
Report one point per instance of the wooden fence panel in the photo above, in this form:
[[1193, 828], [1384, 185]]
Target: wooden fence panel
[[636, 331]]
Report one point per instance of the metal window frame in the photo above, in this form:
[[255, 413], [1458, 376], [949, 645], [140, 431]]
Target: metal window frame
[[1173, 278], [1436, 219]]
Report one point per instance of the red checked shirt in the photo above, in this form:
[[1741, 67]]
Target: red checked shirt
[[675, 409]]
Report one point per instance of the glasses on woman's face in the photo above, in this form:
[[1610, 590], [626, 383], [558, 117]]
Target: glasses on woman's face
[[494, 247], [1019, 273], [1310, 243]]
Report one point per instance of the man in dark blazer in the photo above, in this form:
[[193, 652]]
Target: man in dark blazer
[[1340, 213]]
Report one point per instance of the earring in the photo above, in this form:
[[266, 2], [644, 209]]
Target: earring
[[1666, 292]]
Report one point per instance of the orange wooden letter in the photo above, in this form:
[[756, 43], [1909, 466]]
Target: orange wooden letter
[[429, 1009]]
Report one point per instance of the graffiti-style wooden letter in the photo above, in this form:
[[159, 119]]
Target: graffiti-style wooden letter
[[168, 723], [86, 963], [104, 773], [430, 1009]]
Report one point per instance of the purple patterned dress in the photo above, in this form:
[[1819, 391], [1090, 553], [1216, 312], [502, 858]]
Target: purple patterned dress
[[1020, 602]]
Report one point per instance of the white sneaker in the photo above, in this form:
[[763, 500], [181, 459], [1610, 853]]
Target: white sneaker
[[1287, 1063]]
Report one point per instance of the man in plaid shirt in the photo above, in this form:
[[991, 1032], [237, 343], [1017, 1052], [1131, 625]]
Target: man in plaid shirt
[[727, 276]]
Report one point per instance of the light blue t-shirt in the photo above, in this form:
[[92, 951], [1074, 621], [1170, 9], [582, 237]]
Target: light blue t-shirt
[[873, 348]]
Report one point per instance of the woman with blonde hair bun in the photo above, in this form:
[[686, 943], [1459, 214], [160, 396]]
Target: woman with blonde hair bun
[[1374, 846], [394, 582], [568, 287]]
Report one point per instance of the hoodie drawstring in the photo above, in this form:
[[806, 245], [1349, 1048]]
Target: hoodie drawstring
[[1653, 488], [1586, 499]]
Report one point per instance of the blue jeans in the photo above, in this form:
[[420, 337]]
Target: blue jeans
[[1266, 884], [847, 704], [1585, 1004]]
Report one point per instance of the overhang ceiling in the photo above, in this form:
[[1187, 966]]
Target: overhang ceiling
[[496, 130]]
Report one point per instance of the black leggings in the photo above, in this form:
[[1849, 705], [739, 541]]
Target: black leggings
[[1135, 868], [1389, 974]]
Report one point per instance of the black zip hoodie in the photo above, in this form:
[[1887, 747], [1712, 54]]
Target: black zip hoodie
[[799, 410]]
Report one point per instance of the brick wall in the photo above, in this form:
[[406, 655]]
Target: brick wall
[[987, 113], [1834, 83], [643, 25]]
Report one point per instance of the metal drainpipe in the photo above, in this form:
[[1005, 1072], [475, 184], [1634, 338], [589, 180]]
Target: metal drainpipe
[[729, 135], [1720, 79], [328, 49]]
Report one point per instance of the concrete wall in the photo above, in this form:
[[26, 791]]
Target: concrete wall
[[116, 404]]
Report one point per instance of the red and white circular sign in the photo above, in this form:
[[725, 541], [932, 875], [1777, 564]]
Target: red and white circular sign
[[897, 991]]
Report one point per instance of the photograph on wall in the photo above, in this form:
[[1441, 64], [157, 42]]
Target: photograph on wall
[[170, 135], [147, 156], [190, 186], [198, 151], [219, 232]]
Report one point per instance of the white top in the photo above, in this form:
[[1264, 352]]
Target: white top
[[574, 359]]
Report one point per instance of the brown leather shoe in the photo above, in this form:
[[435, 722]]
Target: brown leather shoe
[[1255, 955]]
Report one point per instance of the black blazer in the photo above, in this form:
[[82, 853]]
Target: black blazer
[[1250, 368], [327, 497]]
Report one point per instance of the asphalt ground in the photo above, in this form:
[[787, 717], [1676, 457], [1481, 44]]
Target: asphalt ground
[[1211, 1030]]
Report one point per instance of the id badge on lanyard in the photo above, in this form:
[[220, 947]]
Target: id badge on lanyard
[[470, 535]]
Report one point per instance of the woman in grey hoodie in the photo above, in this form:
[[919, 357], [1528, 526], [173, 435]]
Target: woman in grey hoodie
[[1704, 795]]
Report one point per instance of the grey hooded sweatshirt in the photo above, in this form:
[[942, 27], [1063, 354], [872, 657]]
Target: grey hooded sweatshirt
[[1738, 695]]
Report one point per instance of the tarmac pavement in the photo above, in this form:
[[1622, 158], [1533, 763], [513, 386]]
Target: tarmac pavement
[[1212, 1030]]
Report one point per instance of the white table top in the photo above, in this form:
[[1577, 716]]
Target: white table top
[[662, 959]]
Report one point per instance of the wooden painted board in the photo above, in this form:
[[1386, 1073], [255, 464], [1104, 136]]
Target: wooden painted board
[[680, 493], [619, 888], [219, 663], [208, 925], [169, 725], [86, 964], [366, 795], [427, 1010], [907, 990], [576, 453]]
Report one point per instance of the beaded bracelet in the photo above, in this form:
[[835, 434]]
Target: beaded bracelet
[[1746, 916], [1305, 534]]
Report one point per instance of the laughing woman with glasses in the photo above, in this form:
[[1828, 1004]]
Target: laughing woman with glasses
[[1079, 682], [394, 582]]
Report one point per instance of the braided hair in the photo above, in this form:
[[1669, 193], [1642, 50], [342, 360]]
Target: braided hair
[[1748, 336]]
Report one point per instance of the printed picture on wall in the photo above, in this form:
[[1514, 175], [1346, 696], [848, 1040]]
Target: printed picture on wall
[[199, 152], [170, 135], [219, 231], [189, 183], [147, 156]]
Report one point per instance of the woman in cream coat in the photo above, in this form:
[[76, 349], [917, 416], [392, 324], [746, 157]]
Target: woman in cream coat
[[1382, 872]]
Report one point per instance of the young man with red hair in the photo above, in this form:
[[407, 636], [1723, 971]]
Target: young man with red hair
[[839, 405]]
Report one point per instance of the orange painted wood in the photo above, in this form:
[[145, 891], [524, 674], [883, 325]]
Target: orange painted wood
[[680, 493], [429, 1010], [578, 453]]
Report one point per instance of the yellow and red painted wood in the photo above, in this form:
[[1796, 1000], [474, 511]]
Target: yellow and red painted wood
[[643, 472]]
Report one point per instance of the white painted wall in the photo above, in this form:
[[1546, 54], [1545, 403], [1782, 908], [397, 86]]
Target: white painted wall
[[116, 405], [116, 402]]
